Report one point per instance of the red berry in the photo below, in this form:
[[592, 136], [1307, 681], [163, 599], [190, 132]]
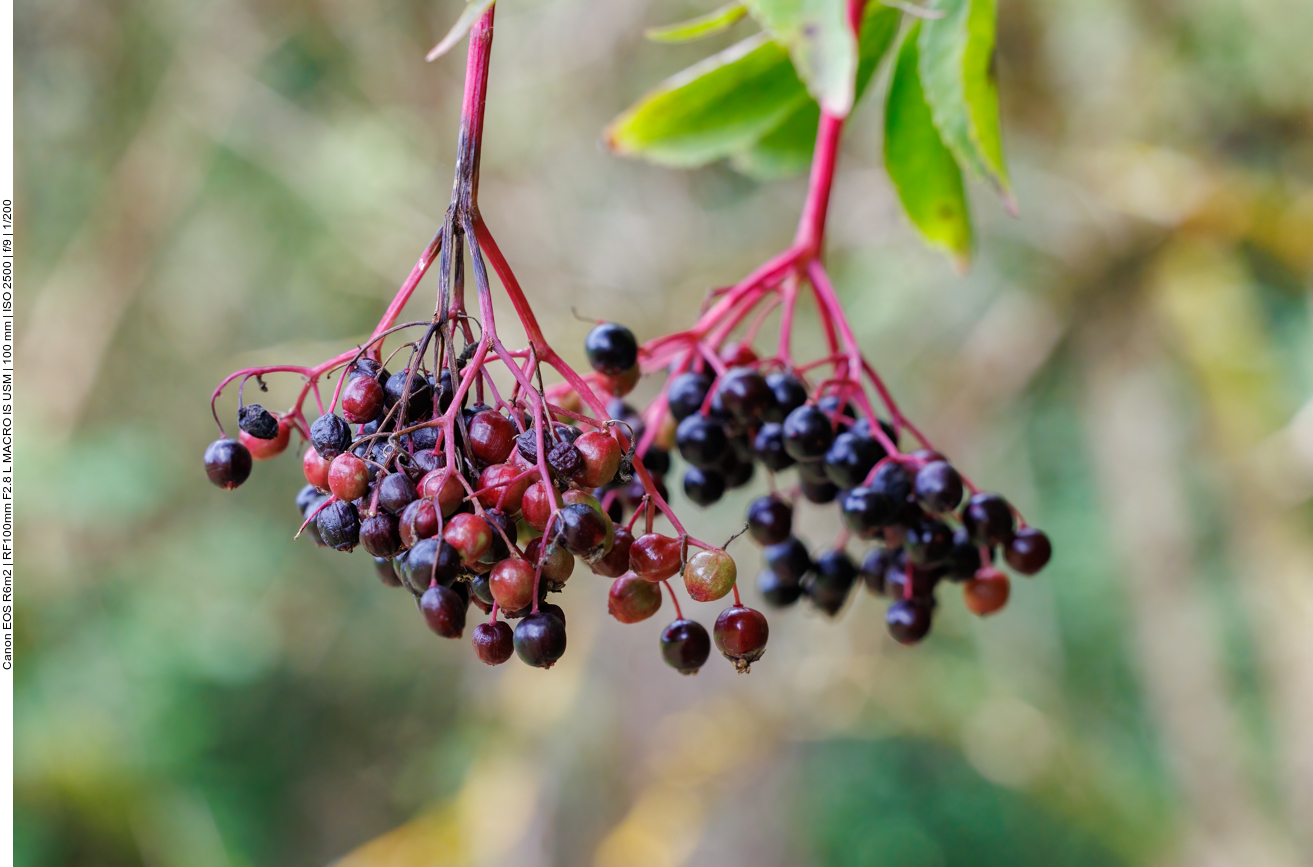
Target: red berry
[[741, 634], [362, 400], [227, 463], [445, 489], [632, 599], [444, 611], [1028, 551], [736, 354], [493, 642], [709, 575], [987, 592], [654, 557], [506, 494], [601, 455], [622, 383], [263, 450], [348, 477], [419, 520], [491, 436], [470, 535], [511, 582], [315, 469], [536, 505], [616, 561]]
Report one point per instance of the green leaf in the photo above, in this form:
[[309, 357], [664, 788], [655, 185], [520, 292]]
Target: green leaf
[[472, 10], [956, 53], [787, 149], [700, 27], [712, 109], [821, 44], [922, 168]]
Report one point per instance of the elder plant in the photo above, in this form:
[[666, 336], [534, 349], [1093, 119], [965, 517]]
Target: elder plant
[[470, 495]]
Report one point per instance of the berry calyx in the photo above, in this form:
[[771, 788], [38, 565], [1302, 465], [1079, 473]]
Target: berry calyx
[[710, 575], [741, 634], [493, 643], [227, 463], [540, 639], [1028, 551], [632, 599], [685, 646]]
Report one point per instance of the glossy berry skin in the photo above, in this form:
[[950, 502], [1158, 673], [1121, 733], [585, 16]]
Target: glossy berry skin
[[703, 487], [831, 581], [654, 557], [511, 582], [687, 393], [507, 488], [787, 394], [789, 560], [768, 447], [740, 633], [875, 565], [494, 643], [701, 441], [1028, 551], [685, 646], [558, 565], [964, 560], [777, 592], [444, 489], [419, 520], [540, 639], [987, 592], [386, 571], [633, 599], [268, 449], [893, 481], [469, 534], [444, 611], [330, 435], [362, 400], [536, 505], [929, 543], [348, 477], [339, 525], [867, 511], [611, 348], [616, 561], [491, 436], [850, 459], [395, 493], [710, 575], [744, 394], [656, 460], [601, 457], [770, 520], [227, 463], [583, 531], [808, 434], [938, 487], [366, 366], [908, 620], [988, 519], [420, 402], [379, 536], [819, 492]]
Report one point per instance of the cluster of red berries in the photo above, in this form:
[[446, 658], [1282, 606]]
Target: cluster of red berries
[[378, 477]]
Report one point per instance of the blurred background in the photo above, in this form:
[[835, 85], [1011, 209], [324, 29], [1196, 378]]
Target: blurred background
[[210, 184]]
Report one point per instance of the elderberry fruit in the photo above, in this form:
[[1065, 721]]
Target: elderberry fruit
[[512, 582], [379, 536], [611, 348], [867, 511], [988, 519], [307, 497], [386, 571], [368, 367], [831, 581], [330, 435], [787, 393], [744, 394], [908, 620], [710, 575], [687, 393], [493, 642], [703, 487], [701, 441], [632, 599], [768, 447], [490, 436], [851, 457], [265, 450], [444, 611], [616, 561], [481, 589], [938, 487], [740, 633], [362, 400], [419, 403], [738, 472], [339, 525], [929, 543], [1028, 551], [819, 492], [582, 530], [875, 566], [654, 557], [987, 592], [656, 460], [808, 434], [964, 559], [348, 477], [892, 480], [504, 529], [470, 535], [257, 421], [540, 639], [789, 559], [601, 458], [395, 493], [227, 463], [419, 520], [685, 645], [778, 592], [565, 460], [770, 520]]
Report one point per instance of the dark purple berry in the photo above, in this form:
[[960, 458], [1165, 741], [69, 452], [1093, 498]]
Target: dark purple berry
[[789, 560], [395, 493], [540, 639], [819, 492], [307, 497], [330, 435], [741, 634], [875, 565], [379, 536], [339, 525], [787, 394], [908, 620], [831, 581], [867, 511], [581, 530], [703, 487], [851, 457], [768, 447], [964, 559], [444, 610], [227, 463], [988, 518], [420, 402], [929, 543], [744, 394], [565, 460], [493, 642], [481, 589], [1028, 551], [701, 441], [687, 393], [777, 592], [257, 421], [938, 487], [770, 520], [386, 571], [808, 434], [612, 348], [657, 460], [685, 646], [892, 480]]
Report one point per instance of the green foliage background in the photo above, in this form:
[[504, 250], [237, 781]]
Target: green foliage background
[[209, 184]]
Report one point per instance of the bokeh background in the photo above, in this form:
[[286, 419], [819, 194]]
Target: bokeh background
[[206, 184]]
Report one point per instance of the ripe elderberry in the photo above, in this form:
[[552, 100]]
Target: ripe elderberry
[[227, 463], [778, 592], [770, 520], [938, 487], [808, 434], [789, 560], [787, 392], [379, 536], [339, 525], [701, 441], [687, 393], [444, 611], [1028, 551], [831, 581], [685, 645], [704, 487], [582, 529], [768, 447], [395, 493], [744, 394], [612, 349], [633, 599], [988, 519], [741, 634], [851, 457], [908, 620], [493, 642], [540, 639], [330, 435]]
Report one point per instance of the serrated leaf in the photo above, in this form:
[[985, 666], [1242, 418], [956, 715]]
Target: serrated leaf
[[713, 108], [787, 149], [472, 10], [821, 44], [700, 27], [922, 168], [956, 54]]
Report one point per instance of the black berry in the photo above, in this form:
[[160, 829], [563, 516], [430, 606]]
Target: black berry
[[908, 620], [612, 349], [831, 581], [988, 518], [227, 463], [685, 646], [339, 525], [787, 394], [789, 560], [938, 487], [778, 592], [330, 435], [768, 447], [257, 421], [703, 487], [770, 520], [701, 441], [687, 393], [807, 434], [540, 639]]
